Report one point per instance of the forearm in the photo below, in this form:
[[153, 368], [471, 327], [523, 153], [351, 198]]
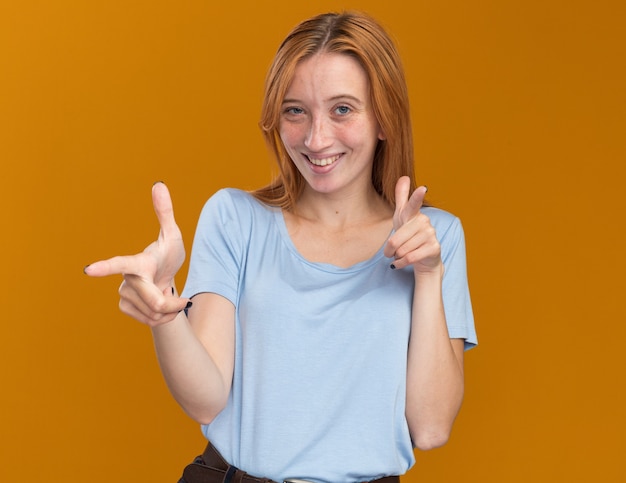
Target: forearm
[[434, 373], [192, 375]]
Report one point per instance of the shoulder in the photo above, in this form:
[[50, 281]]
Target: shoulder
[[447, 225], [442, 220], [234, 213], [233, 203], [230, 196], [448, 228]]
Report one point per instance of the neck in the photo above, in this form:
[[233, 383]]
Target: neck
[[344, 209]]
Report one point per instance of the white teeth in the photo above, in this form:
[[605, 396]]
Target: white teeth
[[324, 161]]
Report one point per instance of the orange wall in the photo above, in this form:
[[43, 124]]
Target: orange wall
[[520, 115]]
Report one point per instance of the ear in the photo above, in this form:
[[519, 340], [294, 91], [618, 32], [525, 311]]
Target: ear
[[381, 135]]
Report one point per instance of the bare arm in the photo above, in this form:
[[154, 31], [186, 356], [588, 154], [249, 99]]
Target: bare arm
[[435, 362], [195, 353], [435, 368]]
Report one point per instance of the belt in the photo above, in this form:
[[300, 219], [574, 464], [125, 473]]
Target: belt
[[230, 474]]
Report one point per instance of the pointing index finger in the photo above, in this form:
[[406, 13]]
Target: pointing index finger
[[114, 266], [407, 207], [414, 205]]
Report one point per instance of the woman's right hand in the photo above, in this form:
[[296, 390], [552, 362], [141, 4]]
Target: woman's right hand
[[147, 292]]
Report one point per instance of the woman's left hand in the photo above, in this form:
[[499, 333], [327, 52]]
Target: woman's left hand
[[414, 241]]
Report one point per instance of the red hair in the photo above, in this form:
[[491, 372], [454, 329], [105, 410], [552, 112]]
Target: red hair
[[361, 37]]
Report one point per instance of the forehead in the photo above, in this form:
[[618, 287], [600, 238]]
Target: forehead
[[329, 74]]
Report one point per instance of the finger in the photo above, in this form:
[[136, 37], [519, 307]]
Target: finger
[[411, 230], [116, 265], [414, 205], [408, 237], [408, 242], [416, 244], [140, 316], [131, 300], [403, 187], [426, 257], [142, 296], [411, 258], [164, 209]]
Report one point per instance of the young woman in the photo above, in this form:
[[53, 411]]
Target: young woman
[[325, 315]]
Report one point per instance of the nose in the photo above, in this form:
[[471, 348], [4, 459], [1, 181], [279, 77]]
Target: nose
[[318, 135]]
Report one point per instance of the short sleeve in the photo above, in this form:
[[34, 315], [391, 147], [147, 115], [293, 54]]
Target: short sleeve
[[456, 295], [217, 253]]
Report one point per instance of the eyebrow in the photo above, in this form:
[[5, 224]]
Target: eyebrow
[[331, 99]]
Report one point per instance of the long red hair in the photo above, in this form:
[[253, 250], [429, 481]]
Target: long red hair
[[361, 37]]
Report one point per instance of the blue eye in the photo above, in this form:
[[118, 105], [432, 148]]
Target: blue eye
[[343, 110], [294, 110]]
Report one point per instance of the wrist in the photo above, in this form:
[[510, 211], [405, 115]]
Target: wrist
[[429, 274]]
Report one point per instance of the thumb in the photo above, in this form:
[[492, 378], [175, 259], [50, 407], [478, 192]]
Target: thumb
[[403, 186], [164, 210]]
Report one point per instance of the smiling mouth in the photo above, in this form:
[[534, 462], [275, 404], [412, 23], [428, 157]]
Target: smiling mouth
[[323, 161]]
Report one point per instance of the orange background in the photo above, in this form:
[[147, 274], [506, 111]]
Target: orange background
[[520, 116]]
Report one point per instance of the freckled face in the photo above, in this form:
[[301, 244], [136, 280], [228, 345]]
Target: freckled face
[[328, 125]]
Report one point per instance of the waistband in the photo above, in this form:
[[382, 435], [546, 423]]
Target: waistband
[[214, 459]]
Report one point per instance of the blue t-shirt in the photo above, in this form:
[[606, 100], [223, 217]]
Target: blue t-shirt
[[319, 384]]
